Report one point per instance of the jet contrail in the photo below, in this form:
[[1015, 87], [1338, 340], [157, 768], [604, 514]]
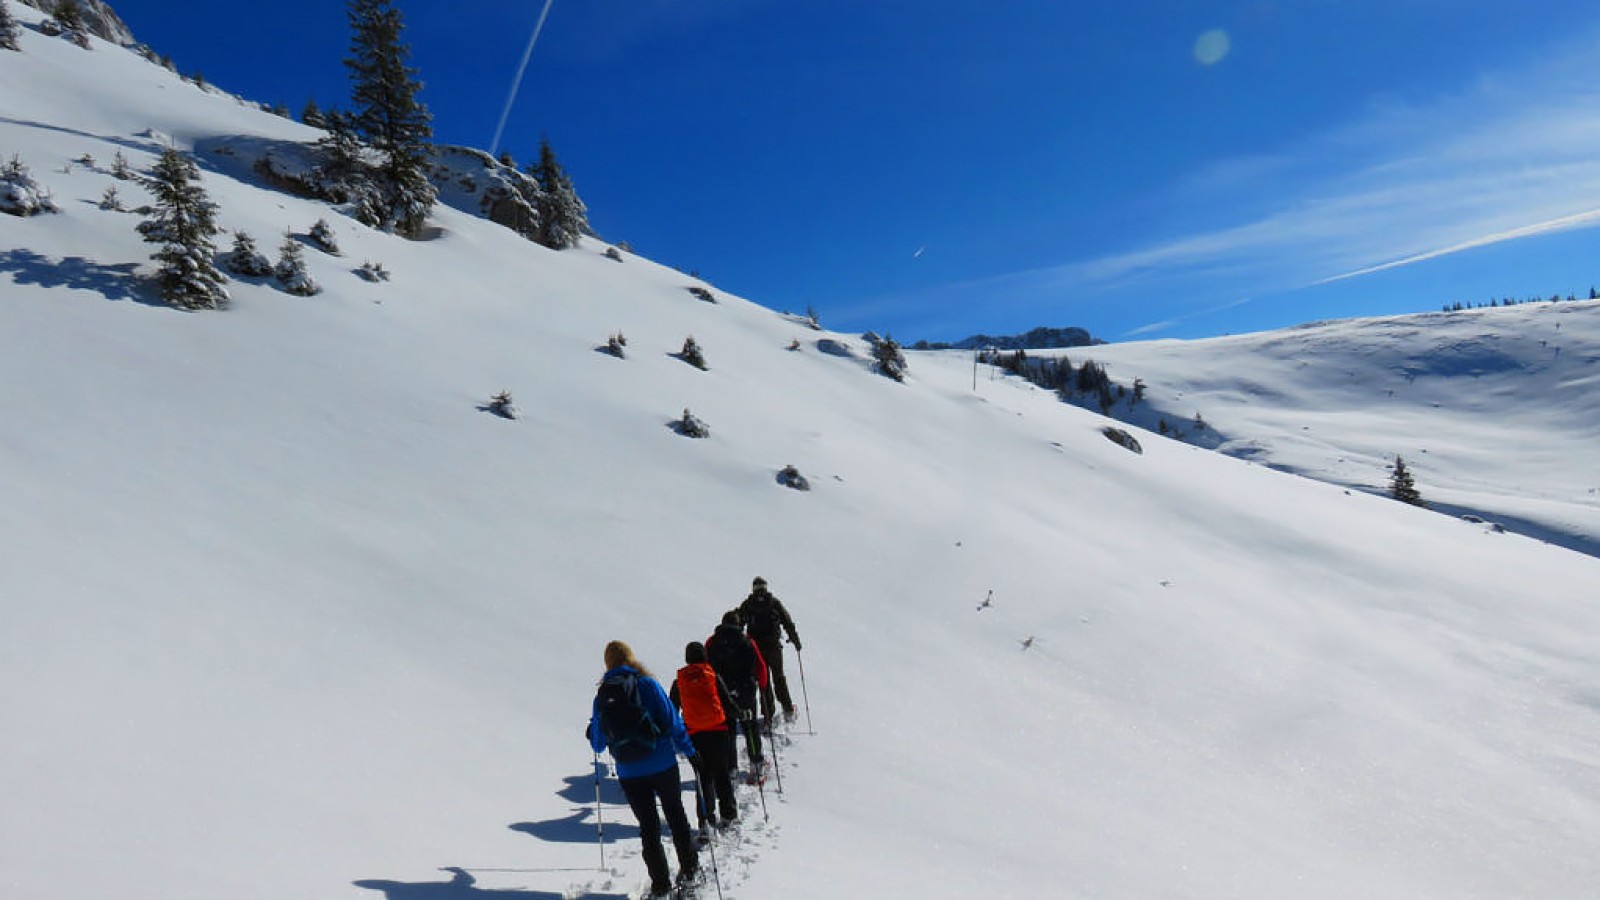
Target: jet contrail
[[494, 145]]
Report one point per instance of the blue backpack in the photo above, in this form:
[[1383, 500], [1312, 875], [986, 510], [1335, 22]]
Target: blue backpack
[[629, 730]]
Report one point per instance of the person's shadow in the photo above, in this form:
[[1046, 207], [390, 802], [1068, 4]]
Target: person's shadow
[[582, 826], [462, 886]]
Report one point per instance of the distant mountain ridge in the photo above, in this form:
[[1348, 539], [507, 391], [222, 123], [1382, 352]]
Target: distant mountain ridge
[[1041, 338]]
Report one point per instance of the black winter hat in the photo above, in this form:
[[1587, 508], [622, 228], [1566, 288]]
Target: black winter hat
[[694, 652]]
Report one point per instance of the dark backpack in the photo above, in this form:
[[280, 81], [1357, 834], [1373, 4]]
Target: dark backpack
[[629, 731], [731, 655], [761, 617]]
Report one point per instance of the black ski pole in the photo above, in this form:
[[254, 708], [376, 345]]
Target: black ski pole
[[599, 814], [805, 695], [772, 741], [705, 816]]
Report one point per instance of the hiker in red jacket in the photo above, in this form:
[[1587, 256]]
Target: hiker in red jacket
[[709, 711]]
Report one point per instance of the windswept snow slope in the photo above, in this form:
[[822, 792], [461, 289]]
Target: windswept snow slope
[[1496, 411], [288, 616]]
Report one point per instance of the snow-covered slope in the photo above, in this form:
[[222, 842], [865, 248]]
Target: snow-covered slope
[[287, 615], [1496, 411]]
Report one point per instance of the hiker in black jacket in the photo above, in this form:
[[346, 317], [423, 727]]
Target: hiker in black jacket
[[735, 658], [763, 616]]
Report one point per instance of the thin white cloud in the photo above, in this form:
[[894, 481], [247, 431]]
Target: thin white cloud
[[1511, 156]]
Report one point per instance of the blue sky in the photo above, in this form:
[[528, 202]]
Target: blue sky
[[934, 169]]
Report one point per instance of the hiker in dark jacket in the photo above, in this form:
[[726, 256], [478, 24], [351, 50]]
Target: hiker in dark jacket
[[737, 660], [649, 772], [763, 616], [709, 712]]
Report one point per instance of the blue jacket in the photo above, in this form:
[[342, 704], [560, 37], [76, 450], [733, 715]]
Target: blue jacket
[[660, 708]]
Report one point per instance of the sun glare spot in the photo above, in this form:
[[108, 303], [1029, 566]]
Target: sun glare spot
[[1212, 47]]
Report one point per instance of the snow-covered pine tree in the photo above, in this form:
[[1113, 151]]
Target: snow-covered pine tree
[[322, 235], [388, 114], [311, 114], [562, 216], [1402, 486], [890, 361], [120, 169], [291, 269], [245, 259], [183, 222], [692, 354], [10, 31], [20, 195], [111, 200], [70, 15]]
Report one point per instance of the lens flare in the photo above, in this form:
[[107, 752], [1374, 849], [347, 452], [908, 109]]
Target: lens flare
[[1212, 47]]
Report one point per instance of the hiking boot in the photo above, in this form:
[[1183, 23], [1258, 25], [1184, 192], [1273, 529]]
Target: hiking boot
[[688, 877], [659, 889], [728, 822]]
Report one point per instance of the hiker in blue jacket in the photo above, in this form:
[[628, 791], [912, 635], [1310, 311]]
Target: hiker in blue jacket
[[634, 719]]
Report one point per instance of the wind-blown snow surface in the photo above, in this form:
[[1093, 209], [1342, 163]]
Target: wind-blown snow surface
[[1496, 411], [287, 615]]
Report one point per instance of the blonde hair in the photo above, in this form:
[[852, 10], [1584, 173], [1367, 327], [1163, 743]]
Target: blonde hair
[[619, 653]]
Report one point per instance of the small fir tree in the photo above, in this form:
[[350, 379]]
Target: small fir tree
[[888, 359], [20, 195], [291, 269], [120, 169], [245, 259], [322, 235], [691, 426], [692, 354], [502, 405], [10, 31], [562, 216], [184, 222], [111, 201], [1402, 486], [311, 114]]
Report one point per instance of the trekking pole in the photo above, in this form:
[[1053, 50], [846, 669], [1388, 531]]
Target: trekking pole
[[772, 741], [711, 846], [803, 693], [599, 814]]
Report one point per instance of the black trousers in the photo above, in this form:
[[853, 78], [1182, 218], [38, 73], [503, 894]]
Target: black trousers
[[714, 764], [772, 652], [642, 794]]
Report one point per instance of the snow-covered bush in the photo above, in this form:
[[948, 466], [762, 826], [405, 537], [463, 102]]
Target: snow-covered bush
[[613, 255], [1122, 438], [322, 235], [245, 259], [120, 169], [690, 426], [615, 345], [373, 272], [888, 358], [701, 293], [790, 477], [20, 195], [691, 353], [501, 405], [111, 201], [291, 270]]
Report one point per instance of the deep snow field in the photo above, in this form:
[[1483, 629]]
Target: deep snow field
[[286, 615]]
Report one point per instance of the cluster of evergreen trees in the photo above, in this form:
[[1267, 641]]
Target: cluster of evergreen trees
[[1056, 373], [1458, 306]]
